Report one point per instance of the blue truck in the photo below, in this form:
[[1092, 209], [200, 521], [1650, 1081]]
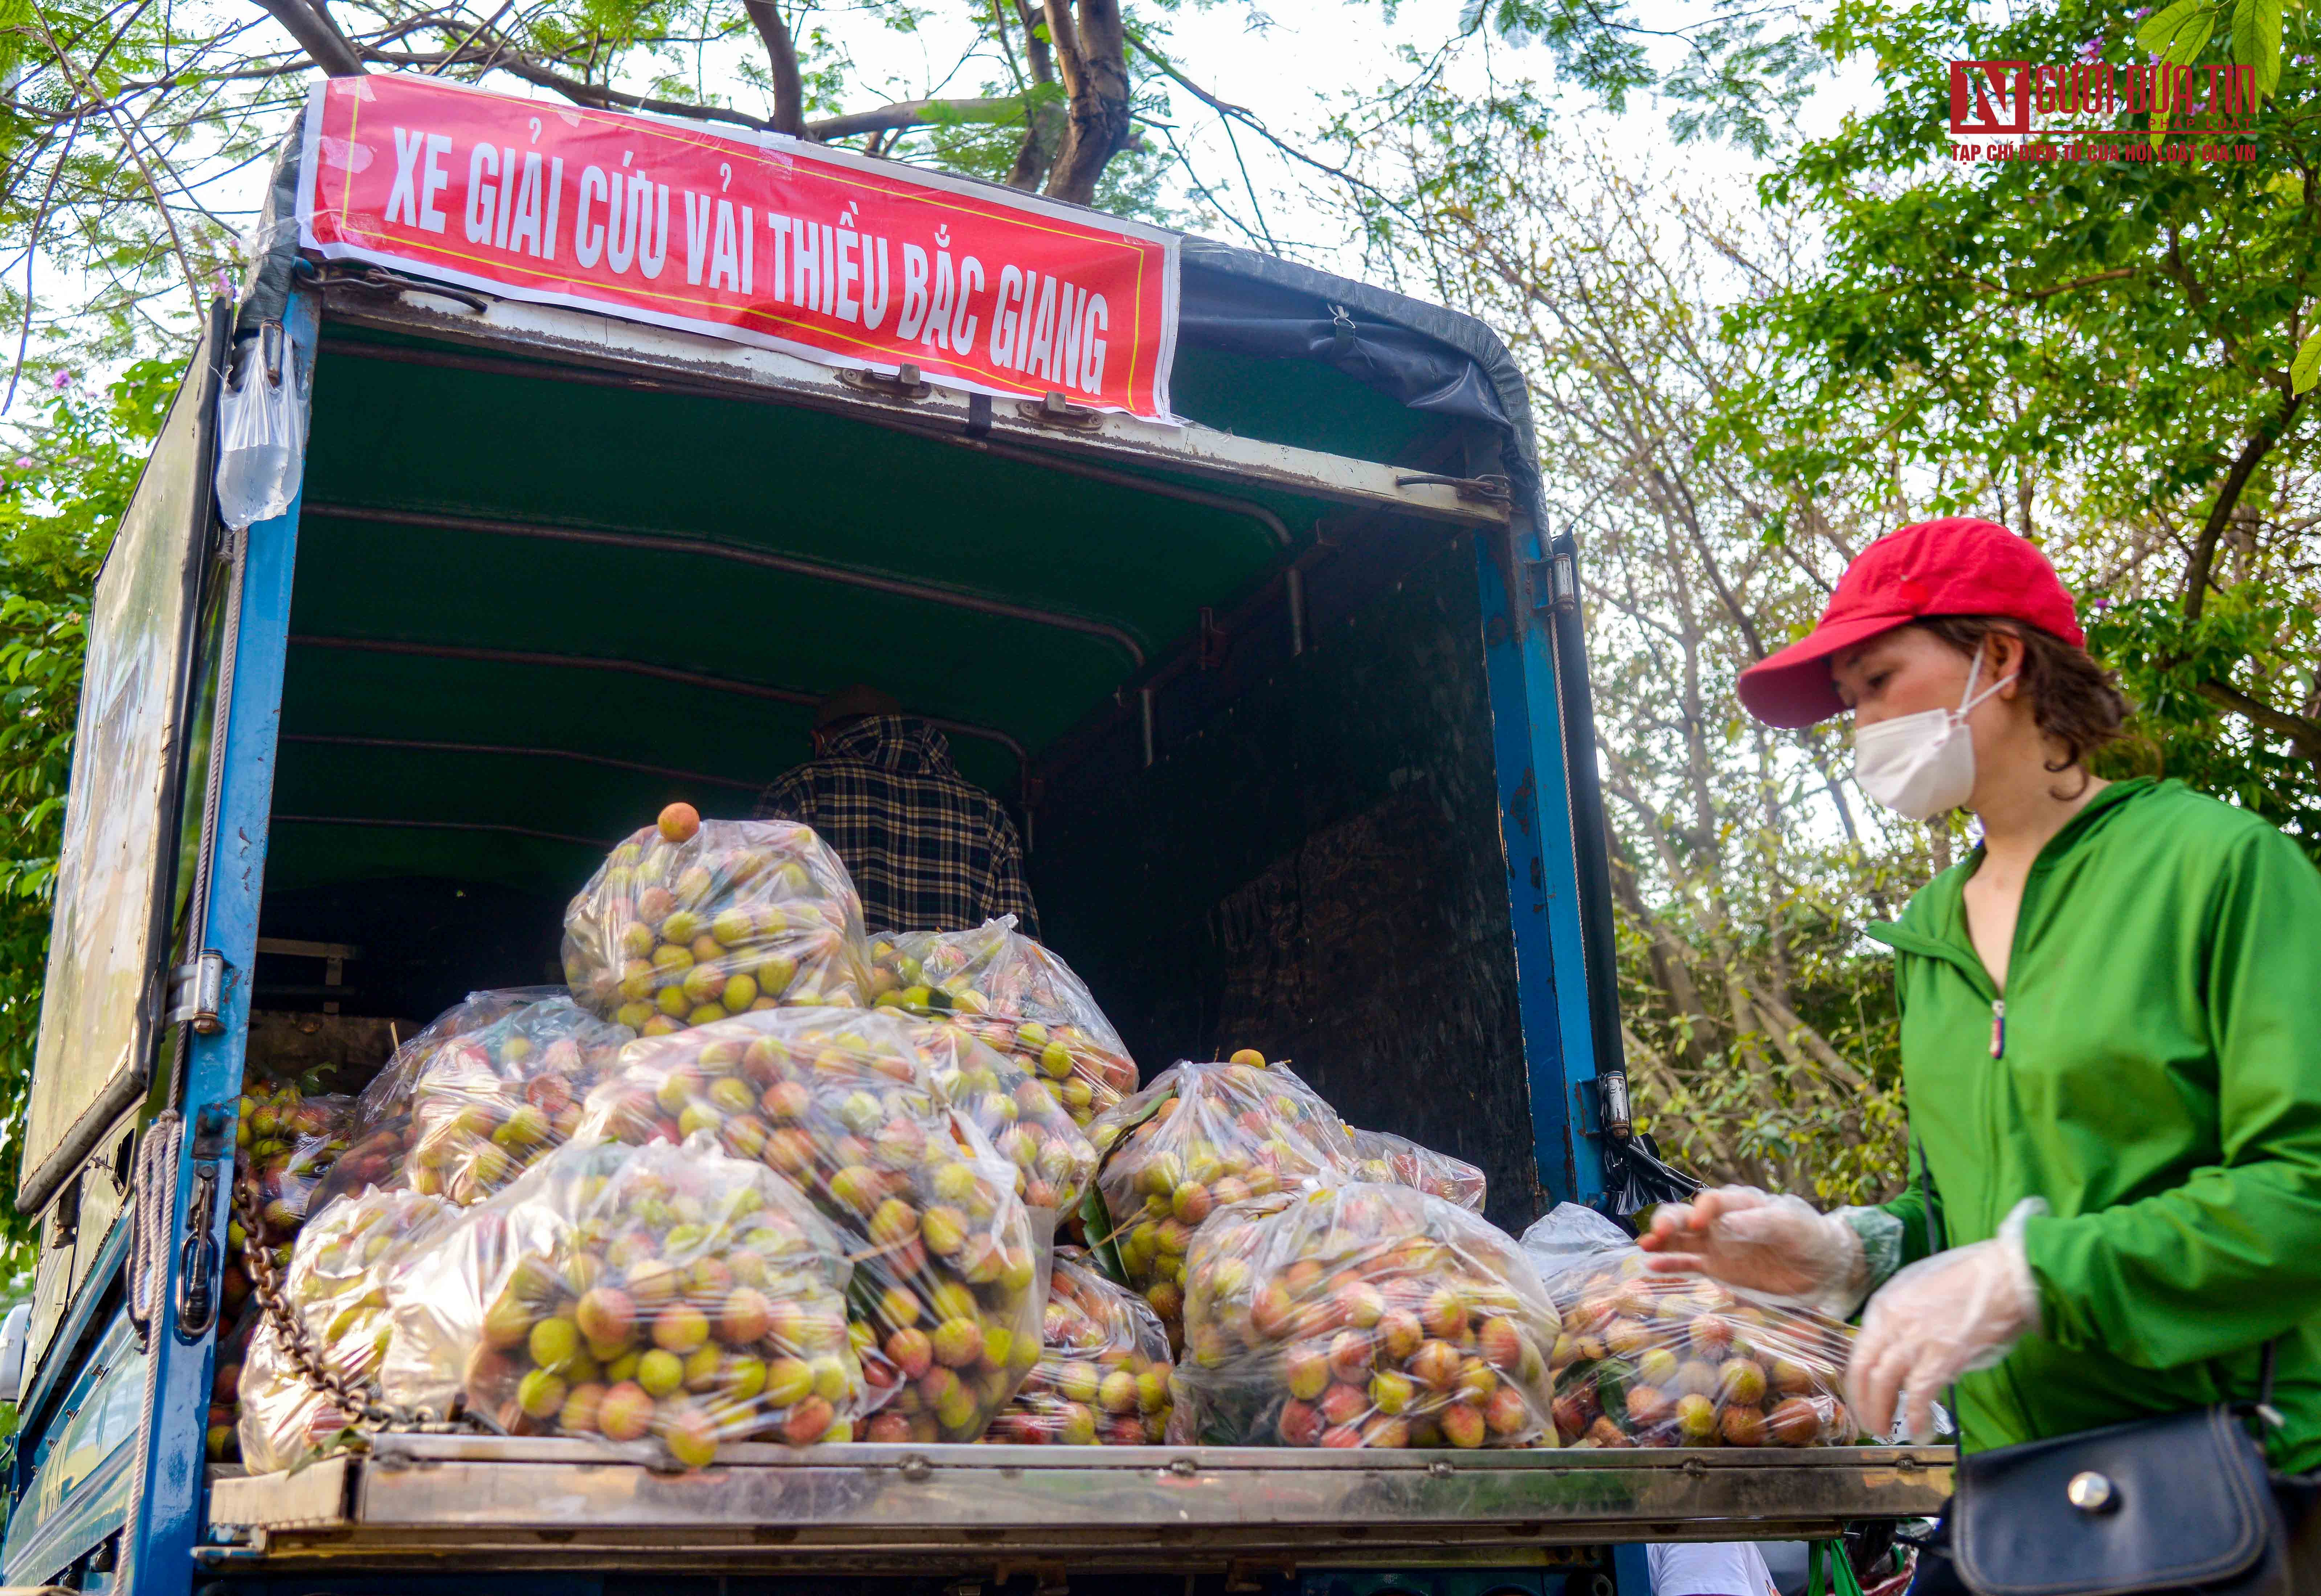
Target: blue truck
[[1289, 701]]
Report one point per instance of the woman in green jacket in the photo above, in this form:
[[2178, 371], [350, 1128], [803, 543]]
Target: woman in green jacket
[[2111, 1040]]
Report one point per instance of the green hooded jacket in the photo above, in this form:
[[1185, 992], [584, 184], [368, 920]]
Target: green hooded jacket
[[2157, 1080]]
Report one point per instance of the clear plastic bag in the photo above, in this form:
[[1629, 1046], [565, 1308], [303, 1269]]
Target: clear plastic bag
[[1053, 1161], [1103, 1374], [338, 1280], [1676, 1360], [1201, 1137], [1384, 1157], [681, 1295], [1362, 1315], [946, 1302], [485, 1104], [1012, 993], [388, 1094], [262, 431], [286, 1142], [691, 921]]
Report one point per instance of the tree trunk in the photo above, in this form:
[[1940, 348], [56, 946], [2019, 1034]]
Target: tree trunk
[[781, 57], [1091, 52]]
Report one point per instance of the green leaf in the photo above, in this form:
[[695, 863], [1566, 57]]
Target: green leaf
[[2306, 369], [2186, 48], [2160, 31], [2256, 41], [1095, 1219]]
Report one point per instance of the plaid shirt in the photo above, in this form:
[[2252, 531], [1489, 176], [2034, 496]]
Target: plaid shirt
[[928, 851]]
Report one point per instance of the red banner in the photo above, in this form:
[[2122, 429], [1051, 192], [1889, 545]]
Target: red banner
[[752, 237]]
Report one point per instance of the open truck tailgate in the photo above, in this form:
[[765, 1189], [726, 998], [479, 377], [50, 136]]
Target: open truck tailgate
[[494, 1501]]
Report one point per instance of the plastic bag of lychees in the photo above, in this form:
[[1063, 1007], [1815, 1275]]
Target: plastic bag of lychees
[[1104, 1368], [285, 1143], [222, 1439], [660, 1294], [1362, 1315], [691, 921], [1201, 1137], [944, 1308], [1677, 1360], [1382, 1156], [1054, 1160], [388, 1090], [1012, 993], [381, 1129], [347, 1261], [486, 1103]]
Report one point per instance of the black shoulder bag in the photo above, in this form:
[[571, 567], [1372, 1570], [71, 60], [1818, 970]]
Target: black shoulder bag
[[2178, 1503]]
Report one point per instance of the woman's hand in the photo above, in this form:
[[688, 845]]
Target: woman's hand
[[1935, 1320], [1745, 1237]]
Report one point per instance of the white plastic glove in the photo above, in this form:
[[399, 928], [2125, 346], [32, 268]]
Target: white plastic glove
[[1943, 1316], [1779, 1245]]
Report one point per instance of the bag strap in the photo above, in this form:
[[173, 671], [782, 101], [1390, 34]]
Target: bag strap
[[1831, 1554]]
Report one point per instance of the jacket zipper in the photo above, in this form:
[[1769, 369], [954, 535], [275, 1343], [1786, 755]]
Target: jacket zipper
[[1997, 1029]]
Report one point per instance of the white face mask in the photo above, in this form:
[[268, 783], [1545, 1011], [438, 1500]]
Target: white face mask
[[1922, 765]]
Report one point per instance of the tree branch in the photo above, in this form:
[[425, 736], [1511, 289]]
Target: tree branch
[[2304, 735], [317, 35], [781, 54], [2202, 565], [1249, 118], [904, 114], [1092, 59]]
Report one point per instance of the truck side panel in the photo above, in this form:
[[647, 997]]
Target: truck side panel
[[1312, 865], [167, 1503]]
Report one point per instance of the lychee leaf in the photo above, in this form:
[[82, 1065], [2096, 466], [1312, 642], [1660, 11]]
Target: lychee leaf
[[2155, 36], [2256, 42], [2306, 369]]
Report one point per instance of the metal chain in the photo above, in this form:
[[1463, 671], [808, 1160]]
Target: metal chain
[[366, 1405]]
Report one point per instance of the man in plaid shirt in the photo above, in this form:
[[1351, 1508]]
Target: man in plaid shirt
[[928, 850]]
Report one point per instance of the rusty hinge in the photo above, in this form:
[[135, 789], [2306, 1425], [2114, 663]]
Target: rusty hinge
[[1052, 409], [1489, 489], [906, 383]]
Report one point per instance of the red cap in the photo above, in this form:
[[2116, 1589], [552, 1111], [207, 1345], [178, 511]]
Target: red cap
[[1957, 566]]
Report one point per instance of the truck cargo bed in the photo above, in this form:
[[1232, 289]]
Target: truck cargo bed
[[474, 1502]]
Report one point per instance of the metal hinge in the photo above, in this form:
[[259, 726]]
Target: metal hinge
[[195, 991], [907, 382], [1052, 409], [1489, 489], [1553, 583], [1617, 1119]]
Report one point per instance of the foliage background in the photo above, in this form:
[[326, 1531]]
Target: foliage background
[[1738, 388]]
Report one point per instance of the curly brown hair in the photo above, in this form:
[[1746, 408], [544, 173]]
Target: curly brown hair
[[2073, 700]]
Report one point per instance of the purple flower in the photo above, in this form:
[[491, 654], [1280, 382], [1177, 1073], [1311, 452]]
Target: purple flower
[[2091, 52], [25, 462], [61, 382], [2102, 604]]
